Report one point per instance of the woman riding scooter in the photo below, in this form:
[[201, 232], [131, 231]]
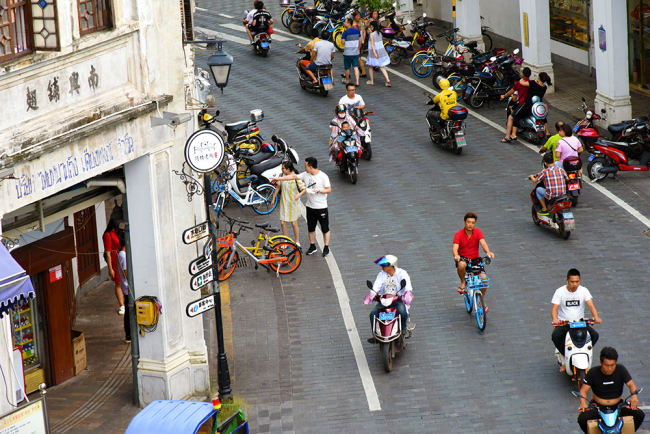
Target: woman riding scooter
[[341, 117]]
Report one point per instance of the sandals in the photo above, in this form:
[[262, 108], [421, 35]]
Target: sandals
[[505, 140], [388, 84], [461, 290], [369, 83]]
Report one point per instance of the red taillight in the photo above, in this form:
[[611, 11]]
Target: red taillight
[[263, 37], [255, 129], [539, 122], [326, 71], [572, 175], [457, 125]]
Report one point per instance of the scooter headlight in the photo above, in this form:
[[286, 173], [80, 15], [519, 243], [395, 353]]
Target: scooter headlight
[[386, 302], [362, 124]]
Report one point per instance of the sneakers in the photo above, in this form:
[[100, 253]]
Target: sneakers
[[326, 251], [127, 340], [121, 311], [299, 246], [543, 212], [312, 249]]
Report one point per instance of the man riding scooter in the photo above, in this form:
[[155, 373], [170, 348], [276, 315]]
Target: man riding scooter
[[261, 21], [388, 281], [554, 178], [445, 100]]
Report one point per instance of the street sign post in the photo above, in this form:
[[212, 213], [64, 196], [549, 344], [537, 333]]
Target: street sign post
[[195, 233], [200, 264], [202, 279], [200, 306]]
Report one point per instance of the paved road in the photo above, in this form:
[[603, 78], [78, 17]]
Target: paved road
[[293, 361]]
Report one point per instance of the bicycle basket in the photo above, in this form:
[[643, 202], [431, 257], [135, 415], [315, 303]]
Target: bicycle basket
[[477, 282], [225, 241]]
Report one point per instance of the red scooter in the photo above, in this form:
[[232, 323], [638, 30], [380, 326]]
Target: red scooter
[[559, 215], [588, 121], [610, 157], [387, 328]]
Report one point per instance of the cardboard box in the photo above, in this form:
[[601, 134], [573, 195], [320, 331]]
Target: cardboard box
[[628, 426], [78, 351]]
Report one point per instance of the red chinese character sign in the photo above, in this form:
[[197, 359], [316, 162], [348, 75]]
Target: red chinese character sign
[[204, 151]]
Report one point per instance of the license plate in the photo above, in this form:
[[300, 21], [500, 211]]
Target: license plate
[[591, 157], [577, 325], [265, 45], [328, 86], [460, 140], [389, 48], [468, 91], [351, 149], [576, 128], [327, 80], [568, 215], [386, 316], [574, 186]]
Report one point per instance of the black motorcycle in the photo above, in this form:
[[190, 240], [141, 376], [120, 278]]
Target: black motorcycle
[[496, 79], [323, 74], [449, 132], [350, 163]]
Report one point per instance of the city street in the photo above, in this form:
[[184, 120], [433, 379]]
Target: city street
[[301, 359]]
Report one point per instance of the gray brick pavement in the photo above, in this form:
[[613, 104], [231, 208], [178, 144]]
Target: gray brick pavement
[[411, 198]]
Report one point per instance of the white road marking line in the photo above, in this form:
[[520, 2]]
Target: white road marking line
[[225, 16], [350, 326], [240, 28], [617, 200], [227, 37], [202, 9]]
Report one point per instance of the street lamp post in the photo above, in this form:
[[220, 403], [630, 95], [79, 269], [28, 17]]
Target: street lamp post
[[219, 63]]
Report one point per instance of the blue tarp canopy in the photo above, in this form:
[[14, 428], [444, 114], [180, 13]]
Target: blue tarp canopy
[[14, 282], [173, 417]]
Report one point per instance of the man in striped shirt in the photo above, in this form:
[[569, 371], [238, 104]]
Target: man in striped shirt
[[554, 179], [352, 40]]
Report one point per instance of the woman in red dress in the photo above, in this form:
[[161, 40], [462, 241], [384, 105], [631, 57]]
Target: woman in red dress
[[111, 247]]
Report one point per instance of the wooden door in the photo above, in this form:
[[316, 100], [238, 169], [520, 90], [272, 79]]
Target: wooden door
[[57, 311], [85, 228]]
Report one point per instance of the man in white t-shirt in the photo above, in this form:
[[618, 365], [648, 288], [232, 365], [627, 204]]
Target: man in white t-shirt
[[249, 20], [124, 284], [351, 100], [321, 55], [569, 305], [318, 187]]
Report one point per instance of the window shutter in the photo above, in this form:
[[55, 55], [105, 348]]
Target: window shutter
[[187, 20], [45, 25]]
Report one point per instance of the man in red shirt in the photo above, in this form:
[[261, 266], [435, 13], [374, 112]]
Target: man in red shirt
[[465, 250]]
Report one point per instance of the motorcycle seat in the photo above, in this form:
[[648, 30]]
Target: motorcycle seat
[[257, 158], [262, 167], [236, 126], [617, 128], [623, 146], [563, 198], [642, 119], [263, 225]]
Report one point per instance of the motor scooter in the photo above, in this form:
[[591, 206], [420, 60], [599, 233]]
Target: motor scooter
[[387, 327], [572, 168], [532, 127], [559, 215], [588, 120], [361, 118], [578, 350], [610, 421], [323, 74], [349, 164], [449, 132], [610, 157]]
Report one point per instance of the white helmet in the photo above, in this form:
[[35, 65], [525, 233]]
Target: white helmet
[[388, 260]]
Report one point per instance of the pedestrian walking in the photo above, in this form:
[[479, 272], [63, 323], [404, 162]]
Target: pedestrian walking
[[351, 38], [124, 285], [111, 247], [377, 55], [318, 187], [291, 191], [357, 24]]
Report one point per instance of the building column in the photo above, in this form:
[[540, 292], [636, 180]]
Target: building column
[[612, 81], [536, 38], [173, 359], [468, 21]]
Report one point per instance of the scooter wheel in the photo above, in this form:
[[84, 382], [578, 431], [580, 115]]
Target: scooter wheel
[[535, 218], [574, 201], [367, 152], [387, 356], [593, 169], [458, 151]]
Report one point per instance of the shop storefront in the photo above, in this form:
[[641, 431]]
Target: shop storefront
[[639, 47], [570, 22]]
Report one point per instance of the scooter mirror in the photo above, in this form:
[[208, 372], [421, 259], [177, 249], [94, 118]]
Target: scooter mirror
[[577, 394], [488, 260], [637, 391], [403, 283], [298, 45], [516, 51], [369, 283], [334, 124], [492, 59], [424, 15], [603, 111]]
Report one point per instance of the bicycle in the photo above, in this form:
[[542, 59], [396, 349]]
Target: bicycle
[[272, 253], [259, 197], [473, 296], [487, 39], [287, 14]]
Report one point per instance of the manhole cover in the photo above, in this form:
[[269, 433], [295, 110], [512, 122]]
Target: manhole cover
[[646, 232], [388, 248]]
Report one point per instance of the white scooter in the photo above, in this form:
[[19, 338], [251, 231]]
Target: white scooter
[[361, 118], [578, 350]]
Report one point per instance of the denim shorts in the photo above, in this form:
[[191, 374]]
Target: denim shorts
[[350, 62]]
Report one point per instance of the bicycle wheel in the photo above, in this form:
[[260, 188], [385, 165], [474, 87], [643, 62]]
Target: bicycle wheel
[[421, 65], [468, 303], [285, 17], [223, 256], [487, 41], [481, 315], [336, 38], [458, 85], [295, 26], [293, 254], [265, 193]]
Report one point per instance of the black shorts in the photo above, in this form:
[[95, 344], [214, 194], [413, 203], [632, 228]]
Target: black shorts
[[320, 216], [475, 264]]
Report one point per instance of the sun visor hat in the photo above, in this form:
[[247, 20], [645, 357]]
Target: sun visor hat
[[386, 261]]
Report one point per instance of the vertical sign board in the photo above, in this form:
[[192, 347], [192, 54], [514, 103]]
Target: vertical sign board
[[29, 419], [602, 39], [525, 27]]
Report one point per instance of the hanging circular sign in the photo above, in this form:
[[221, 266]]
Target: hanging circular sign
[[204, 150]]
